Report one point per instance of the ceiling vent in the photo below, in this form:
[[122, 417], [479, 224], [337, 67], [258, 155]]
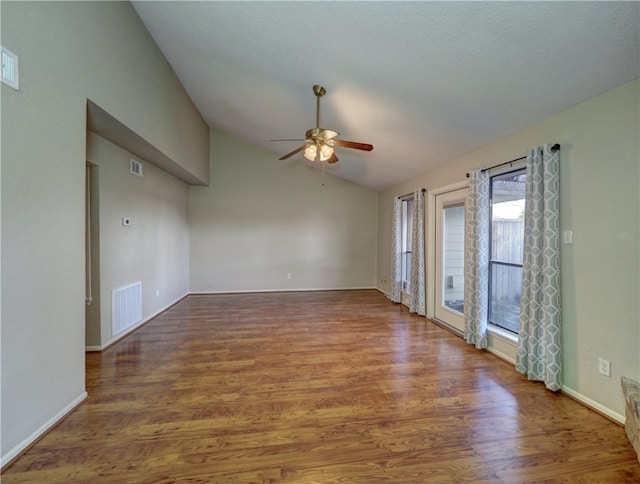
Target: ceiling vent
[[10, 69], [136, 167]]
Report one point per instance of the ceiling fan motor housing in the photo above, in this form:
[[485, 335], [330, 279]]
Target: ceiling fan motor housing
[[318, 90]]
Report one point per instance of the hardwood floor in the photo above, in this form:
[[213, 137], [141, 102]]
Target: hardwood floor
[[317, 387]]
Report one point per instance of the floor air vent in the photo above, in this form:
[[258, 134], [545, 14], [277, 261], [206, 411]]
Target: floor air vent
[[126, 309]]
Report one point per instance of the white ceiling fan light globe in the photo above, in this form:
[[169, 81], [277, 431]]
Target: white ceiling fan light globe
[[326, 152], [310, 152]]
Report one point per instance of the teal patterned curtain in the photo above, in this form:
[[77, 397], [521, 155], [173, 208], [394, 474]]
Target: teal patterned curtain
[[539, 348], [396, 252], [476, 259], [416, 281]]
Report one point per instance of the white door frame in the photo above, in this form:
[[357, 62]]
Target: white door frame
[[431, 241]]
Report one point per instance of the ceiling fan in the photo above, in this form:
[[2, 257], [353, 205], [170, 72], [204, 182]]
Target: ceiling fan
[[319, 142]]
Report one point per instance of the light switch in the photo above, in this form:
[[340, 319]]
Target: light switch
[[126, 221], [567, 237]]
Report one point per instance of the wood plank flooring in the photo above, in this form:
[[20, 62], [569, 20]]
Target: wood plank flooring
[[317, 387]]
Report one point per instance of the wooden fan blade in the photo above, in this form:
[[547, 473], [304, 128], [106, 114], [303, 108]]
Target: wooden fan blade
[[333, 159], [297, 150], [353, 144]]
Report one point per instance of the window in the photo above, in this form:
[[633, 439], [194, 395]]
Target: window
[[507, 193], [407, 234]]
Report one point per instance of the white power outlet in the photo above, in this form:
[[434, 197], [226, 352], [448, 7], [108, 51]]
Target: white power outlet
[[288, 275], [604, 367]]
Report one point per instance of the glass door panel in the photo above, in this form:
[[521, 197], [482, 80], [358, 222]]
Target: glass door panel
[[449, 286]]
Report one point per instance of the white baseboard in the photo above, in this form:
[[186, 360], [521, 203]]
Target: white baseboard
[[309, 289], [130, 330], [501, 355], [43, 429], [607, 412], [502, 344]]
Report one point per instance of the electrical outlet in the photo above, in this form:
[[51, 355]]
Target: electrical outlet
[[288, 275], [604, 367]]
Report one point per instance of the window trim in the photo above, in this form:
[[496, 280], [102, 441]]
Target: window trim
[[502, 333], [430, 239]]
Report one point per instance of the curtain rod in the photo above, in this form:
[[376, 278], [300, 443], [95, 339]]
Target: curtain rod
[[555, 147], [410, 194]]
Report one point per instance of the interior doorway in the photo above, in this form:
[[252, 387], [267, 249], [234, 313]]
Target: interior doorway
[[92, 259]]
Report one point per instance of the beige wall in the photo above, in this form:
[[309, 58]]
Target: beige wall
[[262, 218], [600, 202], [154, 249], [68, 52]]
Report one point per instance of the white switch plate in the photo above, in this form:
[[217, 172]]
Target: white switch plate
[[604, 367], [126, 221], [567, 237]]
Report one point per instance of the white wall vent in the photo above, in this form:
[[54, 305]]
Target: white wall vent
[[126, 307], [10, 69], [136, 167]]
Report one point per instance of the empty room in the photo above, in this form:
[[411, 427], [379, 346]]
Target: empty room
[[320, 242]]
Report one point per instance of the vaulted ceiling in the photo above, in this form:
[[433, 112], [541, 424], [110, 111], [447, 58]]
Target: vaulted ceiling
[[423, 82]]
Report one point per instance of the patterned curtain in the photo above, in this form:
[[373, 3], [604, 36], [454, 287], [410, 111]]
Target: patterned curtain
[[539, 348], [476, 259], [416, 281], [396, 252]]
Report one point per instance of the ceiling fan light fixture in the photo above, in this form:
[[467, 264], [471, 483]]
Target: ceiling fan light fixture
[[326, 152], [310, 152]]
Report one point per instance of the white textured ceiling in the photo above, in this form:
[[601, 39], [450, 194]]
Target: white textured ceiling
[[422, 81]]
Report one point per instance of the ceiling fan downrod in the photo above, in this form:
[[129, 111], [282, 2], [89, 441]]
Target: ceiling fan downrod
[[319, 91]]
